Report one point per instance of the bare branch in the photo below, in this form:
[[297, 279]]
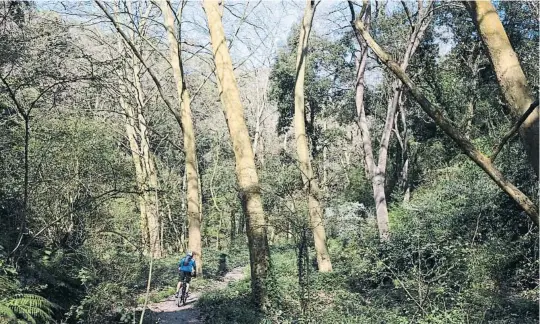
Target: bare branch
[[437, 115], [497, 149], [408, 14], [138, 55], [13, 97]]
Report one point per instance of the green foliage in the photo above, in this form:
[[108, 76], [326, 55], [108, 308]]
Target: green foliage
[[16, 304], [32, 308], [359, 188], [229, 306], [460, 252], [329, 74]]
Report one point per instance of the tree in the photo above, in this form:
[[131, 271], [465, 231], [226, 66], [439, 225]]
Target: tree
[[377, 171], [137, 132], [311, 183], [30, 86], [246, 172], [192, 173], [447, 126], [510, 76]]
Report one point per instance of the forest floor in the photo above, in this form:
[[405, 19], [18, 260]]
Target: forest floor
[[166, 311]]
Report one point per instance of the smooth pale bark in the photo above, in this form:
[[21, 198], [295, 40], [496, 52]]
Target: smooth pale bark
[[324, 162], [377, 171], [360, 111], [510, 76], [403, 140], [177, 233], [192, 194], [302, 146], [139, 176], [405, 184], [150, 183], [146, 177], [150, 195], [153, 224], [259, 110], [246, 173], [451, 130]]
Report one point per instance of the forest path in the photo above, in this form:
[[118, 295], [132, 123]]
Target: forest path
[[167, 312]]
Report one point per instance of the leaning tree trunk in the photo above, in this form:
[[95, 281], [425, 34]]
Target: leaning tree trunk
[[378, 171], [246, 172], [510, 76], [450, 129], [193, 211], [310, 181]]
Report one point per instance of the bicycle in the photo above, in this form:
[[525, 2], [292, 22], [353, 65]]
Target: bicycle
[[182, 297]]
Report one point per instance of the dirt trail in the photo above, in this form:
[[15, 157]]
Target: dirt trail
[[166, 312]]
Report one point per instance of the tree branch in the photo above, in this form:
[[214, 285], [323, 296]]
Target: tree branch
[[148, 68], [497, 149], [447, 126], [408, 13], [20, 109]]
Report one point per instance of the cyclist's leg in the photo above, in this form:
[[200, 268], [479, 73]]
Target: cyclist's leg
[[188, 280], [179, 285]]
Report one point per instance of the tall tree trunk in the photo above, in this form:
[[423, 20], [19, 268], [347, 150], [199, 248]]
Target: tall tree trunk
[[144, 168], [246, 172], [379, 174], [150, 184], [510, 76], [449, 128], [302, 147], [177, 234], [403, 139], [378, 171], [139, 176], [325, 161], [376, 175], [193, 199], [147, 164], [152, 208], [260, 106], [469, 115]]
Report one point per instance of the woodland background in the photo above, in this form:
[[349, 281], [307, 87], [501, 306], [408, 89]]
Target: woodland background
[[106, 172]]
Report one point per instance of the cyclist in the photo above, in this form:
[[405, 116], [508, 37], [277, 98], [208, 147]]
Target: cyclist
[[186, 267]]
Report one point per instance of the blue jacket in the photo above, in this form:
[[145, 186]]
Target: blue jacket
[[189, 267]]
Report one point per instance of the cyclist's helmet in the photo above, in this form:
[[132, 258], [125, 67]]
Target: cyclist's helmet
[[189, 253]]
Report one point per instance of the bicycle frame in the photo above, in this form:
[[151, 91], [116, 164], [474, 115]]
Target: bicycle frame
[[182, 297]]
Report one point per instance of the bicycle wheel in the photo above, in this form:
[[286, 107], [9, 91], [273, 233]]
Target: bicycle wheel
[[184, 297], [178, 300]]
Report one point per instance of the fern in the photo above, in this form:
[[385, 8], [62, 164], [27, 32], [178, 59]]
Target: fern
[[29, 307], [6, 313]]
